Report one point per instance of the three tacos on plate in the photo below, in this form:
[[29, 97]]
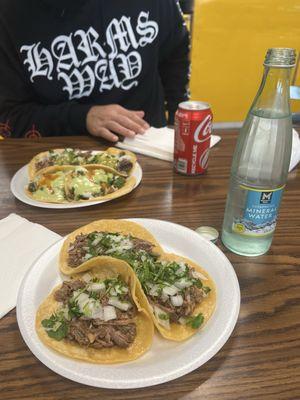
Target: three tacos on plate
[[176, 294]]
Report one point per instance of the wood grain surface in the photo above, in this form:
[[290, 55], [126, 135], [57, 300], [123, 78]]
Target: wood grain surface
[[261, 360]]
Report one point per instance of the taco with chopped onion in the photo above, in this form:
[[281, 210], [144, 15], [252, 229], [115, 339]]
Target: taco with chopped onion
[[97, 316], [179, 295], [121, 239], [67, 184], [121, 161]]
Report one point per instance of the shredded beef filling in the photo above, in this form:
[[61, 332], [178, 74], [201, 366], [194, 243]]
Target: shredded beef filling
[[77, 250], [191, 298], [139, 244], [65, 292], [99, 335]]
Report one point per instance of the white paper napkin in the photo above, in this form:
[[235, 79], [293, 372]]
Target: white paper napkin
[[21, 242], [156, 143], [295, 157], [159, 143]]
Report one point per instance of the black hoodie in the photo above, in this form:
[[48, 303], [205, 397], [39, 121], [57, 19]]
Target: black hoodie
[[59, 58]]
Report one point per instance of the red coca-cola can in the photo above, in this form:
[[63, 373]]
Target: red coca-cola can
[[193, 125]]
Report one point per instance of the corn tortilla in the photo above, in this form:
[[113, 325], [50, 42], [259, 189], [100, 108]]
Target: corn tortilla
[[102, 268]]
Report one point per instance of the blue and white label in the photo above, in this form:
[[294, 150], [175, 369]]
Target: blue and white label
[[260, 213]]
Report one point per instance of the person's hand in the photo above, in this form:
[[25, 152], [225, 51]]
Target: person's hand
[[107, 121]]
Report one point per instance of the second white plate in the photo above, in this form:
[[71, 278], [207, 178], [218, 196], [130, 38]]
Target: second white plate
[[20, 180]]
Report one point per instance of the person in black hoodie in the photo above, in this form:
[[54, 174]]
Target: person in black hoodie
[[105, 68]]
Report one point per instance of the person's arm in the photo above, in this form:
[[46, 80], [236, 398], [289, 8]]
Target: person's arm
[[174, 67]]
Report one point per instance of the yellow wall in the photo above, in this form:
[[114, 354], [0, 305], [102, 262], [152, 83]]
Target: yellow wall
[[230, 39]]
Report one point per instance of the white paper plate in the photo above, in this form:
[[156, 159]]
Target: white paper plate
[[166, 360], [20, 180]]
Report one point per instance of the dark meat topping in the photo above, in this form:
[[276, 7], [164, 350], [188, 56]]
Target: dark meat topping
[[103, 335], [65, 292], [32, 187], [46, 162], [124, 165], [77, 250], [139, 244]]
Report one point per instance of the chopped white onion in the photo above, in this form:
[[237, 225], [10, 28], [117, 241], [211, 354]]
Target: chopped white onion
[[96, 287], [181, 269], [91, 307], [198, 275], [183, 283], [115, 239], [165, 322], [121, 305], [96, 241], [154, 290], [177, 301], [120, 289], [109, 313], [98, 313], [112, 292], [164, 297], [170, 290], [182, 321], [86, 277], [88, 256], [82, 298]]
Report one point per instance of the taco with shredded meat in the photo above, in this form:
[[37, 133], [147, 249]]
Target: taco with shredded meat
[[179, 295], [97, 316], [120, 161], [125, 240]]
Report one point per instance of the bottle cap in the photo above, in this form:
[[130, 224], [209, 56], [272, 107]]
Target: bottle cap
[[208, 233], [280, 57]]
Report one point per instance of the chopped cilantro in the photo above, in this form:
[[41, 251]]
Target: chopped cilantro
[[195, 322], [56, 327], [164, 317], [197, 282], [94, 295], [206, 289], [119, 182], [74, 309]]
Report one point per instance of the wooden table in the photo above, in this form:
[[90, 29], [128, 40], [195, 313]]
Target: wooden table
[[261, 360]]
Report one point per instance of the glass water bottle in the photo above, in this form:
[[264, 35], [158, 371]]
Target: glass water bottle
[[261, 161]]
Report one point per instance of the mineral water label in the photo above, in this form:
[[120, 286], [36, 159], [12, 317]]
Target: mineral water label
[[260, 212]]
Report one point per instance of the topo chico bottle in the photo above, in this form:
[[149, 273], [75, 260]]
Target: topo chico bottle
[[261, 160]]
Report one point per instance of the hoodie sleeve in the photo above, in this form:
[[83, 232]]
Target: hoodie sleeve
[[174, 66], [19, 111]]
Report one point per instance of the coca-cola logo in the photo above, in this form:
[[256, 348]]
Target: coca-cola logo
[[203, 130]]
